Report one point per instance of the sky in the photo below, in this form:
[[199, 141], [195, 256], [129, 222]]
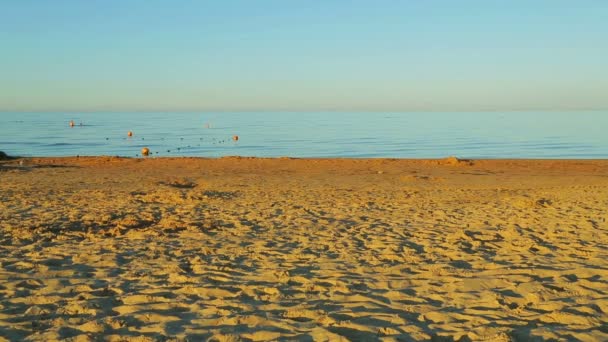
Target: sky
[[303, 55]]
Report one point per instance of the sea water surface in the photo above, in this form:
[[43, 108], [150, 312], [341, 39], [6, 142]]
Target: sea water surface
[[581, 135]]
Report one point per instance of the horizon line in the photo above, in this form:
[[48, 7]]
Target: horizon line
[[76, 111]]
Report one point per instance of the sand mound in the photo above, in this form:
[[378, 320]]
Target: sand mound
[[453, 161], [449, 161]]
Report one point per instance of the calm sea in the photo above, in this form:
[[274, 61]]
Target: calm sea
[[357, 135]]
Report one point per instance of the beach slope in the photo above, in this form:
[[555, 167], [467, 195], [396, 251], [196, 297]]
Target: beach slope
[[303, 249]]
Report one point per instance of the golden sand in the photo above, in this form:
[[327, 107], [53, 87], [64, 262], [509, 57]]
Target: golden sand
[[292, 249]]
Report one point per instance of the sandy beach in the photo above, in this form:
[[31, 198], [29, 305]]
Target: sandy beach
[[250, 249]]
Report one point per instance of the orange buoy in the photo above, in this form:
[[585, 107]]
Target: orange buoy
[[130, 134], [145, 151], [235, 137], [71, 123]]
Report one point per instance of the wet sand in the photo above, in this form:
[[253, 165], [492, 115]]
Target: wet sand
[[292, 249]]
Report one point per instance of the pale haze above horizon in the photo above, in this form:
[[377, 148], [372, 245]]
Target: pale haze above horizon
[[120, 55]]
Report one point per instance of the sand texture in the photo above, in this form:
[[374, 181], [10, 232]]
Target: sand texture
[[245, 249]]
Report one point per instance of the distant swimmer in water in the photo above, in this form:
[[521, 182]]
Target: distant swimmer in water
[[130, 134], [71, 123]]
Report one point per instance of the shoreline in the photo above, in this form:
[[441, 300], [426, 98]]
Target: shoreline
[[11, 157]]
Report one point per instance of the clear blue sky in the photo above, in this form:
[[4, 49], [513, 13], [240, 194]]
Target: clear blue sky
[[303, 55]]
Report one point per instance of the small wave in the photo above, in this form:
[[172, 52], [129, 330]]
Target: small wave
[[60, 144], [18, 143]]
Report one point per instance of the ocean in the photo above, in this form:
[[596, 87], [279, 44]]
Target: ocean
[[551, 135]]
